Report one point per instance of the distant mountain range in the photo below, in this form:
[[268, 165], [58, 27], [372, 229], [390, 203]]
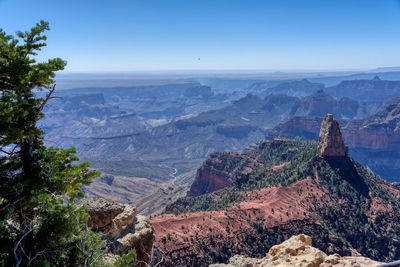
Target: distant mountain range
[[372, 90], [386, 69]]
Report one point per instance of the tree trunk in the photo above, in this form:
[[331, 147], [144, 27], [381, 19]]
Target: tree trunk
[[27, 157]]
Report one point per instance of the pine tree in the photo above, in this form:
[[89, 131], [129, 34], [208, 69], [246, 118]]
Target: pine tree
[[41, 221]]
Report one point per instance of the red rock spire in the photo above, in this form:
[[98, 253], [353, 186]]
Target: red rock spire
[[330, 142]]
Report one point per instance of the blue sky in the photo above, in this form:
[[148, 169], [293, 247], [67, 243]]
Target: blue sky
[[130, 35]]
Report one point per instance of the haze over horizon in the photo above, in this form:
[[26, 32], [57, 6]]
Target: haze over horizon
[[176, 35]]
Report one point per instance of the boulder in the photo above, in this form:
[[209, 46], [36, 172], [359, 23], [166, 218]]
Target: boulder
[[102, 212], [122, 228], [298, 252]]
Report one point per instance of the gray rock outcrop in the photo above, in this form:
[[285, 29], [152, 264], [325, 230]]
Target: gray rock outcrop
[[121, 227]]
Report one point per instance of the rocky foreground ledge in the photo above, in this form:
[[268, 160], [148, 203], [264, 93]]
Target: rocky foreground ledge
[[122, 227], [298, 252]]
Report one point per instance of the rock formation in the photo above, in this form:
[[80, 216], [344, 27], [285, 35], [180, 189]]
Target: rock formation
[[122, 227], [216, 172], [298, 88], [330, 142], [316, 104], [209, 178], [320, 103], [298, 251], [378, 132]]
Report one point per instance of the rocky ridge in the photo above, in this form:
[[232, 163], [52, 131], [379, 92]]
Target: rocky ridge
[[122, 227], [373, 90], [298, 252], [298, 88], [369, 90]]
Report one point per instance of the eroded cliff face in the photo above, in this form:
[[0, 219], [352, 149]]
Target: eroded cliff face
[[330, 142], [122, 227], [378, 132], [298, 251], [220, 170], [209, 179]]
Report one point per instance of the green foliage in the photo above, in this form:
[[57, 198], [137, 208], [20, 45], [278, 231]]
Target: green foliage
[[90, 247], [40, 221], [126, 260], [352, 188], [19, 76], [297, 155]]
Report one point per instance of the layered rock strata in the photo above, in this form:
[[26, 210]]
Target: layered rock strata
[[216, 172], [122, 227]]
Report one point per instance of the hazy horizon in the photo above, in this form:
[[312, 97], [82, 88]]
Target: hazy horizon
[[131, 36]]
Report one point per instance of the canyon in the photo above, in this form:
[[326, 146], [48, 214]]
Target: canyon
[[148, 141]]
